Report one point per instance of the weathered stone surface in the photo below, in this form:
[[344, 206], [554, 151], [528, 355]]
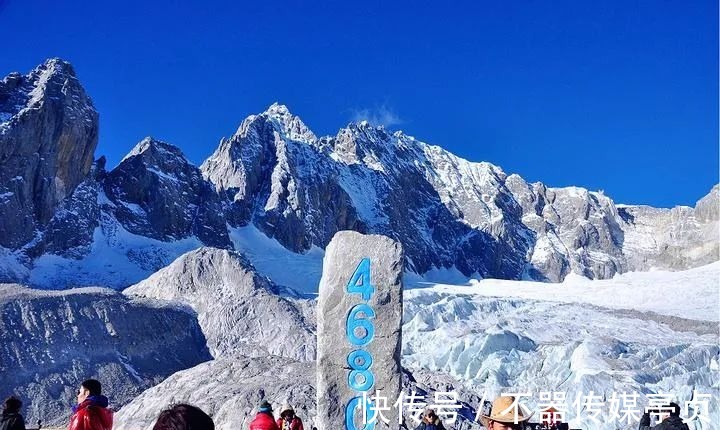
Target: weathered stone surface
[[158, 193], [274, 179], [48, 134], [52, 340], [343, 256], [229, 389], [238, 310], [675, 239]]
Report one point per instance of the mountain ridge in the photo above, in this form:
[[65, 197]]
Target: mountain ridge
[[300, 189]]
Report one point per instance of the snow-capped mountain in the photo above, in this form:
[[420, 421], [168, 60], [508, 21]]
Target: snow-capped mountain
[[48, 134], [67, 222], [446, 211], [51, 339]]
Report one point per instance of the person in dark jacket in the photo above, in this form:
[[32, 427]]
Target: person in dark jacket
[[91, 411], [430, 421], [288, 420], [11, 418], [264, 419], [672, 422], [184, 417]]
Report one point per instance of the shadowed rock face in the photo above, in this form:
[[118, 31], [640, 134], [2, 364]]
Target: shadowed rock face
[[446, 211], [52, 341], [276, 174], [48, 134], [274, 179], [159, 194]]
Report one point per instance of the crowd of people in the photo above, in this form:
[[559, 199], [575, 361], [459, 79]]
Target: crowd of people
[[91, 412]]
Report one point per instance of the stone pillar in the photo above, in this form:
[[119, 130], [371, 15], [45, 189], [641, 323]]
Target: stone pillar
[[359, 330]]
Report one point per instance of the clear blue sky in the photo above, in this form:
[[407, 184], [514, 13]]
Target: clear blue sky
[[614, 95]]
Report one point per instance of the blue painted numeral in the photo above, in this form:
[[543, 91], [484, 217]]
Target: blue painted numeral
[[356, 321], [360, 282]]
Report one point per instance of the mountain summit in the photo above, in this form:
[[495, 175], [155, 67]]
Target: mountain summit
[[65, 221]]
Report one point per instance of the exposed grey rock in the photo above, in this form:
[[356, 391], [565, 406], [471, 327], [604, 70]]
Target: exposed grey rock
[[158, 193], [229, 389], [707, 209], [239, 311], [50, 341], [273, 178], [299, 189], [70, 231], [335, 307], [446, 211], [48, 134], [675, 238], [426, 383]]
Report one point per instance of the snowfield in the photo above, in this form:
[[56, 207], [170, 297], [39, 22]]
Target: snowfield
[[692, 294]]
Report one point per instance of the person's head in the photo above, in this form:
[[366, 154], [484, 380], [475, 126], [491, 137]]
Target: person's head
[[675, 412], [184, 417], [429, 416], [287, 412], [265, 407], [89, 387], [502, 415], [12, 405]]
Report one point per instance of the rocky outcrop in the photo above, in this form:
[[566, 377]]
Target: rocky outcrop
[[52, 340], [232, 388], [675, 238], [446, 211], [274, 179], [159, 194], [239, 311], [58, 213], [48, 134]]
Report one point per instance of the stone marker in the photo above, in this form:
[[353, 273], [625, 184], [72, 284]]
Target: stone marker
[[359, 329]]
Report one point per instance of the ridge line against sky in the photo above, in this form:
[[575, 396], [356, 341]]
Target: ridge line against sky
[[614, 96]]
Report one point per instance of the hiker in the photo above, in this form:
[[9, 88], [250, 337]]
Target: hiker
[[91, 411], [288, 420], [502, 415], [264, 419], [672, 422], [430, 421], [11, 418], [184, 417]]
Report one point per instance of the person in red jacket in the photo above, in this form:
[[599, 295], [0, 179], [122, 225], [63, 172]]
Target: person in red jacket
[[264, 419], [91, 411], [288, 420]]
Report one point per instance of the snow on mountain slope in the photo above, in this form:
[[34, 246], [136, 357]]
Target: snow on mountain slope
[[673, 238], [52, 340], [115, 258], [504, 335], [447, 211], [691, 294], [239, 311], [300, 271]]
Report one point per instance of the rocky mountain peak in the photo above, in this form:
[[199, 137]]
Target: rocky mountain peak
[[151, 148], [287, 124], [48, 135]]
